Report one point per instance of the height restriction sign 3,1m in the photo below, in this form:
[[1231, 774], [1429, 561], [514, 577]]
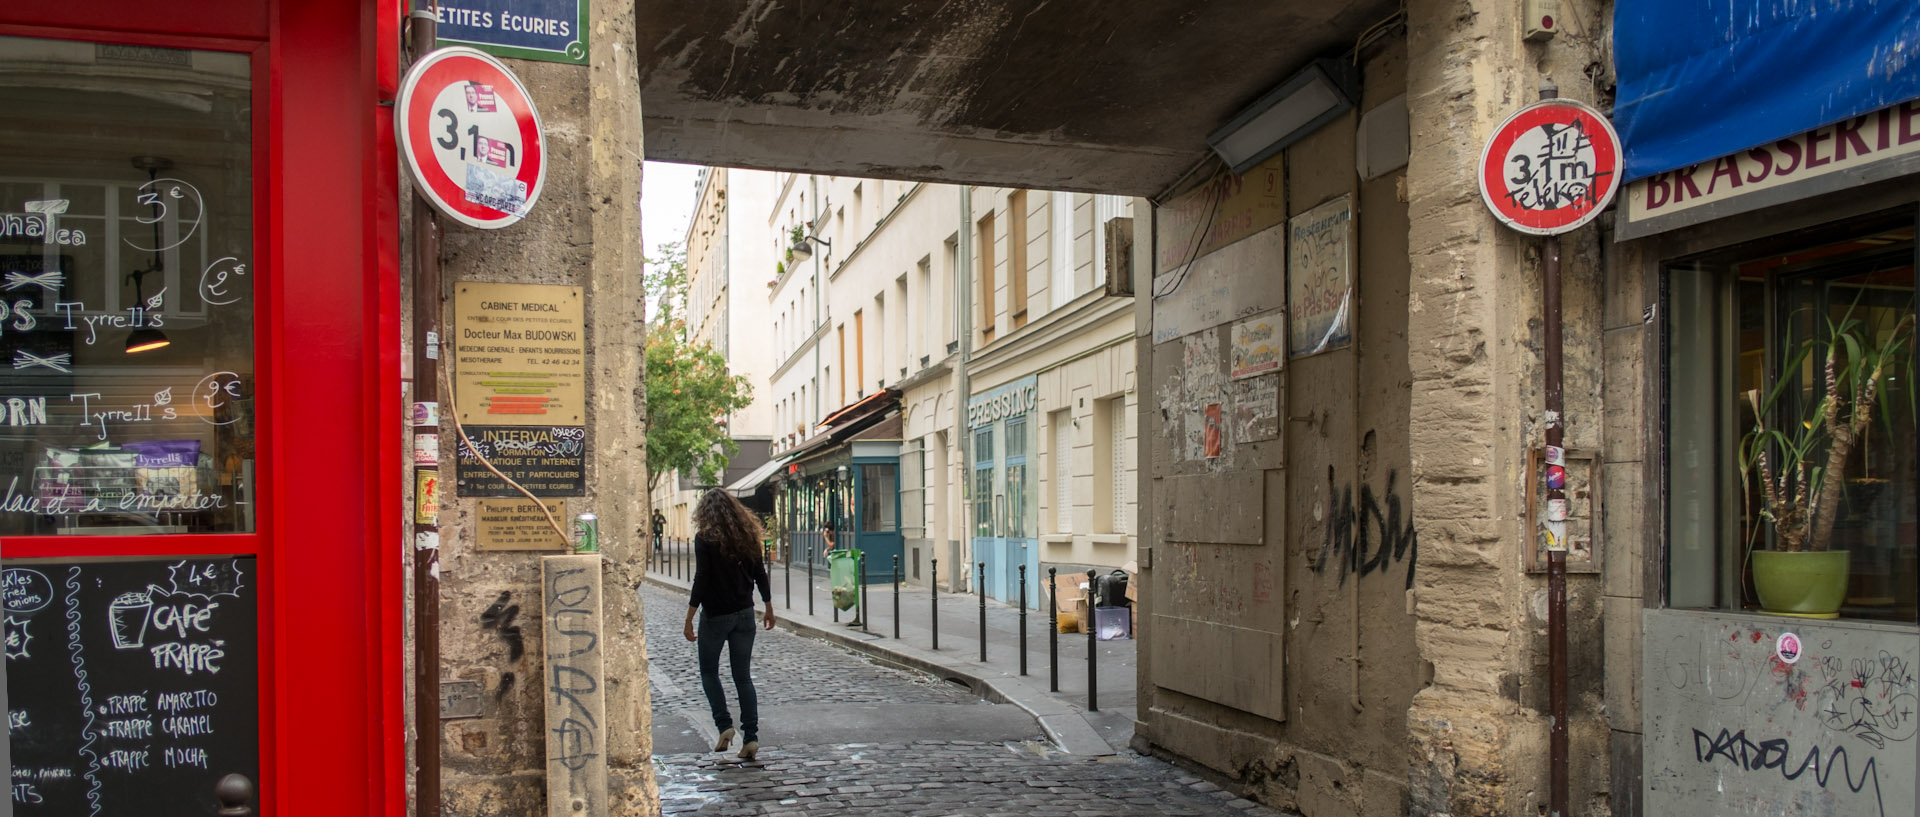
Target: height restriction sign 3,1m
[[472, 137], [1550, 167]]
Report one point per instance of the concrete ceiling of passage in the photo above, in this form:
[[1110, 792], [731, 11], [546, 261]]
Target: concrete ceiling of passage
[[1115, 96]]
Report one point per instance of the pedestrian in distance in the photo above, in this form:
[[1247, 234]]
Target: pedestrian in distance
[[659, 528], [727, 569]]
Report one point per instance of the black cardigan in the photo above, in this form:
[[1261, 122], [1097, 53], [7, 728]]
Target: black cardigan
[[723, 585]]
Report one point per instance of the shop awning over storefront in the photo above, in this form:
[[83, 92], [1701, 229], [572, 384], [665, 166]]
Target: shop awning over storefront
[[748, 485], [1702, 80]]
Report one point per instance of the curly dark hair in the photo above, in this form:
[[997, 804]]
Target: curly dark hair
[[728, 525]]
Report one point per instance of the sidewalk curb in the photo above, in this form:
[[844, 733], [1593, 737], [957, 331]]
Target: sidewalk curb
[[1063, 724]]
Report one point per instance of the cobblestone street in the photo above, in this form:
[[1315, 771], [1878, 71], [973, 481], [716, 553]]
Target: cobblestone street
[[841, 734]]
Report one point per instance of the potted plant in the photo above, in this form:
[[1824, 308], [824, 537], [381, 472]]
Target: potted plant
[[1796, 457]]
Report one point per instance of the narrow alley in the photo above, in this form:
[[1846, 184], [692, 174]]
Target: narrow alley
[[842, 734]]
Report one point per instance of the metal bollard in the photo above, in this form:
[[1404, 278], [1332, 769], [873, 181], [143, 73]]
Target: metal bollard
[[860, 572], [809, 579], [980, 588], [1023, 619], [787, 569], [1093, 632], [1053, 628], [933, 583], [896, 596]]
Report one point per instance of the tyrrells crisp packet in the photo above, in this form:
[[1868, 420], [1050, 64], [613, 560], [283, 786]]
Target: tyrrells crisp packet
[[166, 467]]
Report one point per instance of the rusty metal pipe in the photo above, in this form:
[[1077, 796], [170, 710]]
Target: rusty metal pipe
[[426, 528]]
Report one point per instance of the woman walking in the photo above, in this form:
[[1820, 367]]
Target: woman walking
[[727, 568]]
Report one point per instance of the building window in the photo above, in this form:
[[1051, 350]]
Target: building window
[[1757, 321], [842, 346], [1017, 258], [1110, 465], [987, 283], [859, 355], [130, 399], [1062, 454], [1120, 487], [1060, 247], [923, 295], [983, 481]]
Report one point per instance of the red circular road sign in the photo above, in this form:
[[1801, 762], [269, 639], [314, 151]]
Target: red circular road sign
[[1550, 167], [472, 138]]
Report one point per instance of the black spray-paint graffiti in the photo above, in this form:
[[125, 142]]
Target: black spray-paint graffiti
[[1366, 538], [1872, 699], [505, 617], [1738, 749], [571, 678]]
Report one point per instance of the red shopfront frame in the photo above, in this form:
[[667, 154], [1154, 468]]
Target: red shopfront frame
[[329, 428]]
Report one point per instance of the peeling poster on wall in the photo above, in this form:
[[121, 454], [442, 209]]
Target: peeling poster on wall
[[1256, 409], [1320, 278], [1256, 346], [1205, 388]]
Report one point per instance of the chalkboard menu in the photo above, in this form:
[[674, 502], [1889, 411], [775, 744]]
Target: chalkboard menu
[[132, 686]]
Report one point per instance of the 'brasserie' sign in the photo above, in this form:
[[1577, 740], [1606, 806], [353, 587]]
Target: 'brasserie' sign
[[1846, 153]]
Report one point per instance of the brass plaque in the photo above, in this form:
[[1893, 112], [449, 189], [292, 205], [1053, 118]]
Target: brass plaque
[[519, 354], [518, 524]]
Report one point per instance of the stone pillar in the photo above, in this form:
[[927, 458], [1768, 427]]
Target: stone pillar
[[1478, 731], [616, 319], [584, 232]]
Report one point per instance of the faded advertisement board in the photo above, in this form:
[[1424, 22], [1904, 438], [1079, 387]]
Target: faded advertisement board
[[1767, 715], [1224, 210], [1320, 278], [519, 354]]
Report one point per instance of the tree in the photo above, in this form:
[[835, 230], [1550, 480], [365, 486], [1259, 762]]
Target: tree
[[690, 391]]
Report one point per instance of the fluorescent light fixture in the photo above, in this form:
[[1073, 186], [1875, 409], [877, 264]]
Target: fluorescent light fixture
[[1321, 91]]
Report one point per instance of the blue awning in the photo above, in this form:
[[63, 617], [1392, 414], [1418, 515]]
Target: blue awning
[[1702, 80]]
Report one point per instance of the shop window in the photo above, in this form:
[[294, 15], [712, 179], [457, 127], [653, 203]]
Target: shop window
[[126, 285], [879, 487], [1758, 320], [983, 481]]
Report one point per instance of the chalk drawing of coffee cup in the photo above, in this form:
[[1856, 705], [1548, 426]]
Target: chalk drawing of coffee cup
[[129, 612]]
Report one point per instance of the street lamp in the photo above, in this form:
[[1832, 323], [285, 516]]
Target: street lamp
[[803, 249]]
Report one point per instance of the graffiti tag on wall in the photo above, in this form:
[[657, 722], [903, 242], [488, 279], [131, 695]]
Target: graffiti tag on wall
[[1734, 728], [1370, 536]]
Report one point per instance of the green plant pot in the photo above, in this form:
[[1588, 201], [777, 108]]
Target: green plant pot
[[1810, 584]]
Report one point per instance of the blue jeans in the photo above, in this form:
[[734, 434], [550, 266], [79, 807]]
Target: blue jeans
[[735, 632]]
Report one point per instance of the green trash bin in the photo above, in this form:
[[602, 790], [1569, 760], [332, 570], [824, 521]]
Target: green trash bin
[[843, 571]]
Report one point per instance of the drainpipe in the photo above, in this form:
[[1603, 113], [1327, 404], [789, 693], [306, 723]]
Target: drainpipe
[[963, 306], [813, 188], [1556, 521], [426, 431]]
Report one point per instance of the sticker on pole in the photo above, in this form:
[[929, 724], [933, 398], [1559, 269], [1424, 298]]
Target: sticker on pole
[[472, 138], [1551, 167]]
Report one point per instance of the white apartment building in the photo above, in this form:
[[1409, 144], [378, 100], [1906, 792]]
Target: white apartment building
[[728, 264], [951, 379]]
